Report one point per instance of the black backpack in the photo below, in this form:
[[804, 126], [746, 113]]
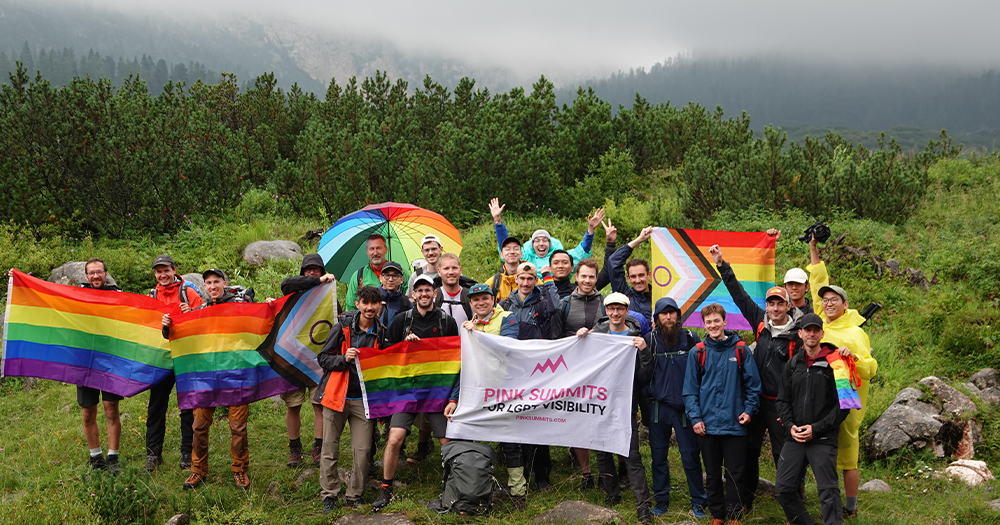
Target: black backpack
[[468, 478]]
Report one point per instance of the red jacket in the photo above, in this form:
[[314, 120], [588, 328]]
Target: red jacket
[[170, 294]]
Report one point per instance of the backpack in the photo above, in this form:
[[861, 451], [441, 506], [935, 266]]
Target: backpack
[[408, 322], [468, 478], [243, 295], [740, 352], [791, 344]]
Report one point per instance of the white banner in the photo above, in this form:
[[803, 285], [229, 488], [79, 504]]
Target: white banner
[[573, 392]]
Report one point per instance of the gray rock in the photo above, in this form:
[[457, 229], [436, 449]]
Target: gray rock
[[986, 378], [990, 394], [73, 274], [303, 476], [766, 488], [179, 519], [260, 251], [198, 282], [875, 485], [911, 397], [955, 402], [898, 426], [274, 490], [30, 383], [994, 504], [579, 512], [391, 518], [971, 388], [893, 265], [64, 409]]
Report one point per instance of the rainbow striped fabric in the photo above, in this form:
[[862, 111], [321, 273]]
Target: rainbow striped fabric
[[412, 376], [847, 379], [216, 358], [683, 269], [101, 339]]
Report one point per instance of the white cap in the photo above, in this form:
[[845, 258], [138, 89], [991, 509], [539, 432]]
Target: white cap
[[430, 238], [617, 298], [796, 275]]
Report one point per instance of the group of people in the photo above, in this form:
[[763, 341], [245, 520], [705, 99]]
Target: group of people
[[717, 396]]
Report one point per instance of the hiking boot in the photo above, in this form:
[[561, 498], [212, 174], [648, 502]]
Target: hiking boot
[[384, 497], [520, 502], [542, 486], [242, 480], [698, 512], [193, 481], [294, 458], [354, 502], [587, 483], [661, 508], [113, 466], [329, 504], [423, 449], [317, 451], [98, 463], [850, 513], [152, 462], [643, 514], [611, 500], [185, 462], [624, 484]]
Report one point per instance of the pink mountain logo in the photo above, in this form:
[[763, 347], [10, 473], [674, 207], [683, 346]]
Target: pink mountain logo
[[549, 365]]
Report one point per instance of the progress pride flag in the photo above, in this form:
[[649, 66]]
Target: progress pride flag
[[573, 392]]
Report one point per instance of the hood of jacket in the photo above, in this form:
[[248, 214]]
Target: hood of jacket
[[790, 330]]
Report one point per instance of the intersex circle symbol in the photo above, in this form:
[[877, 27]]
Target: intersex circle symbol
[[313, 329], [656, 273]]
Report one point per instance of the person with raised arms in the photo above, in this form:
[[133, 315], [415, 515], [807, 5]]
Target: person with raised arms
[[632, 278], [721, 396]]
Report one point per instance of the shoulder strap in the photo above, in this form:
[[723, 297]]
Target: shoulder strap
[[361, 276], [700, 356], [760, 328], [740, 350], [791, 349], [183, 292], [408, 322], [347, 340], [565, 307]]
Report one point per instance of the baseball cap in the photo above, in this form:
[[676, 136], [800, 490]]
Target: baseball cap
[[480, 288], [810, 319], [835, 289], [526, 267], [796, 275], [428, 238], [664, 304], [164, 259], [508, 240], [214, 271], [777, 291], [423, 278], [617, 298], [393, 265]]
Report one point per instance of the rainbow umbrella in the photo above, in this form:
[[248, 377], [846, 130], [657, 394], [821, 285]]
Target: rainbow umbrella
[[343, 246]]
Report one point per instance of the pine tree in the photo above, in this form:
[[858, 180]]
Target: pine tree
[[27, 59]]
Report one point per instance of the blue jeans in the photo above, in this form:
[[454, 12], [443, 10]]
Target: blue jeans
[[663, 420]]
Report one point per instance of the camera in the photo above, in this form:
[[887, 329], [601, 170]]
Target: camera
[[819, 230]]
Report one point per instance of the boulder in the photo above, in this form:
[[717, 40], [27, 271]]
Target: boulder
[[973, 473], [971, 435], [73, 274], [579, 512], [990, 394], [392, 518], [766, 488], [972, 389], [994, 504], [198, 282], [899, 426], [303, 476], [179, 519], [955, 402], [911, 397], [875, 485], [260, 251], [986, 378]]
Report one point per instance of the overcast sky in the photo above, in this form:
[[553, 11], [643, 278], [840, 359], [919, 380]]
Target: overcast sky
[[595, 38]]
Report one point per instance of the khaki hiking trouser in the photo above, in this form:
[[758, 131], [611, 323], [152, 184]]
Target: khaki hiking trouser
[[361, 444], [239, 448]]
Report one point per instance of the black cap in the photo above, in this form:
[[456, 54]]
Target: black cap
[[810, 320], [393, 265], [214, 271], [509, 240], [160, 260], [313, 259]]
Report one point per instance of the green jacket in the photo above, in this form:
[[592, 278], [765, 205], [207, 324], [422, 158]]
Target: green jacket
[[368, 277]]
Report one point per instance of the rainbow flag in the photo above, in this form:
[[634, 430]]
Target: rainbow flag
[[847, 379], [412, 376], [216, 358], [682, 268], [101, 339]]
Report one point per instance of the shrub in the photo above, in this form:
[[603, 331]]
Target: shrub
[[124, 498]]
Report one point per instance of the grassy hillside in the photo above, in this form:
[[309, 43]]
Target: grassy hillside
[[950, 330]]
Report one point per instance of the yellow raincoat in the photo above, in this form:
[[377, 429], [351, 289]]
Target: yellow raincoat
[[846, 331]]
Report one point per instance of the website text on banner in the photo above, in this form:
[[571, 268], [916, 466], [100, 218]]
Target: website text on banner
[[682, 269], [572, 392]]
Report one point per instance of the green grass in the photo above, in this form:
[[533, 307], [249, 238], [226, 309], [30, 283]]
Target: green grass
[[949, 331]]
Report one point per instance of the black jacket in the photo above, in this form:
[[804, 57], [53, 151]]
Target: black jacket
[[393, 304], [299, 283], [331, 358], [808, 396], [771, 352], [643, 358]]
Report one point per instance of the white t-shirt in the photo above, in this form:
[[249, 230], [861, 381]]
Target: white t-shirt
[[453, 308]]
